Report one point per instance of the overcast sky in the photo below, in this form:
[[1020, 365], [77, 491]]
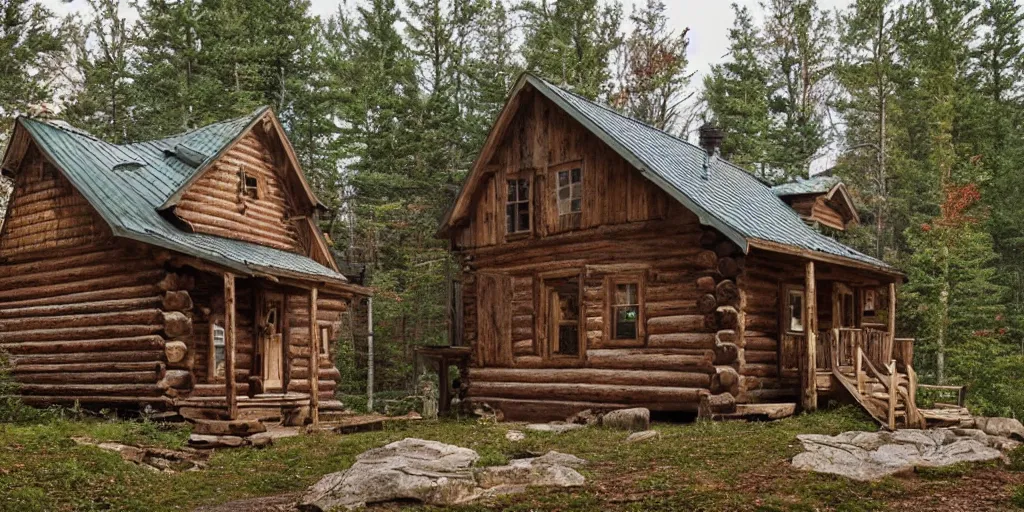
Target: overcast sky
[[709, 21]]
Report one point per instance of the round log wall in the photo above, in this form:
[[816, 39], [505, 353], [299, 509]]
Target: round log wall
[[92, 327]]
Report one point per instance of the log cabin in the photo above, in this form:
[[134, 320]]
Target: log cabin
[[607, 264], [184, 274]]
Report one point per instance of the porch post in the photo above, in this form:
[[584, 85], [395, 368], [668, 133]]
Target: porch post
[[229, 345], [314, 360], [892, 312], [808, 374]]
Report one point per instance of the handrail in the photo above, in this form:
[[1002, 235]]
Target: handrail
[[914, 415], [883, 379]]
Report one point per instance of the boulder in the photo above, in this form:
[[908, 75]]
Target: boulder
[[153, 458], [867, 456], [433, 473], [1003, 427], [556, 427], [639, 437], [635, 420], [211, 441], [515, 436], [585, 417], [260, 440]]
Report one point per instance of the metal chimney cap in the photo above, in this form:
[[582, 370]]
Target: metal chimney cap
[[711, 137]]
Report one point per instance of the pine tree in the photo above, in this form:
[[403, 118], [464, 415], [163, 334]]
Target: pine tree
[[736, 95], [952, 294], [32, 43], [105, 52], [571, 42], [866, 71], [490, 71], [440, 38], [174, 91], [799, 51], [998, 67], [653, 78]]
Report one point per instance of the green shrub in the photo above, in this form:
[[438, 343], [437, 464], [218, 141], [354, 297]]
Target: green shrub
[[1016, 459], [1017, 498]]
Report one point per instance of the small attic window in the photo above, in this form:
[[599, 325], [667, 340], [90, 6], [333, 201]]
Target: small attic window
[[250, 184]]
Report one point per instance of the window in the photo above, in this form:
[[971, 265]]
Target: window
[[795, 304], [250, 184], [870, 300], [517, 209], [565, 316], [325, 342], [570, 191], [626, 311], [217, 354]]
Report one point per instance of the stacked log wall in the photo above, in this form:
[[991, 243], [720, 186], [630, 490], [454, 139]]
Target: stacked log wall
[[689, 349], [215, 204], [330, 309], [817, 208], [540, 140], [82, 314], [761, 282]]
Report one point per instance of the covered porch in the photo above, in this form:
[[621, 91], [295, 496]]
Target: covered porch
[[260, 347], [838, 337]]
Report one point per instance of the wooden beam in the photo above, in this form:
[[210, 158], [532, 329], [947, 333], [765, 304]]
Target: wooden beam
[[314, 359], [229, 345], [892, 313], [809, 388]]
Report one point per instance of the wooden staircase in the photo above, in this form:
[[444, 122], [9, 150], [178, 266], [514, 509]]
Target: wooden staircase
[[887, 394]]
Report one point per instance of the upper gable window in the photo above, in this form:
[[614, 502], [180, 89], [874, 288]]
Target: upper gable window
[[570, 191], [250, 184], [517, 207]]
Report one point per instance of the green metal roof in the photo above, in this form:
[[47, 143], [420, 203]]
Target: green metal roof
[[127, 183], [814, 185], [723, 195]]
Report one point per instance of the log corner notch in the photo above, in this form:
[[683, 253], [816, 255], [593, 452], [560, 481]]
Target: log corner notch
[[722, 303], [808, 363]]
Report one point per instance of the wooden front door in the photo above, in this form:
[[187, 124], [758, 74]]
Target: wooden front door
[[563, 315], [271, 346], [792, 328]]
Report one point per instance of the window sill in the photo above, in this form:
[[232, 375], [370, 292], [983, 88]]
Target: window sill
[[518, 236]]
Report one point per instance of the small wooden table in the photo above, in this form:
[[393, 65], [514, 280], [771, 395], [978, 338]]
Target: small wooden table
[[445, 356]]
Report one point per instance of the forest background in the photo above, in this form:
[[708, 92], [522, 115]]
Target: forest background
[[919, 104]]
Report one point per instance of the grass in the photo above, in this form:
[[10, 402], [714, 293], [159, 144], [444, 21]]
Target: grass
[[698, 466]]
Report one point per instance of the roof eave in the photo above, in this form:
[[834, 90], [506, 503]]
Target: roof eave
[[825, 257]]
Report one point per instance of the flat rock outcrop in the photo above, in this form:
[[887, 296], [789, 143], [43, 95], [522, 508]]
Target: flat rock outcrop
[[434, 473], [867, 456]]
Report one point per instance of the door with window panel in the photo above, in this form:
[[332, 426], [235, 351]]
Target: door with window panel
[[792, 327], [564, 316]]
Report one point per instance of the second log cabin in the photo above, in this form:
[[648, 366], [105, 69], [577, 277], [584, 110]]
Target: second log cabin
[[608, 264], [184, 274]]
